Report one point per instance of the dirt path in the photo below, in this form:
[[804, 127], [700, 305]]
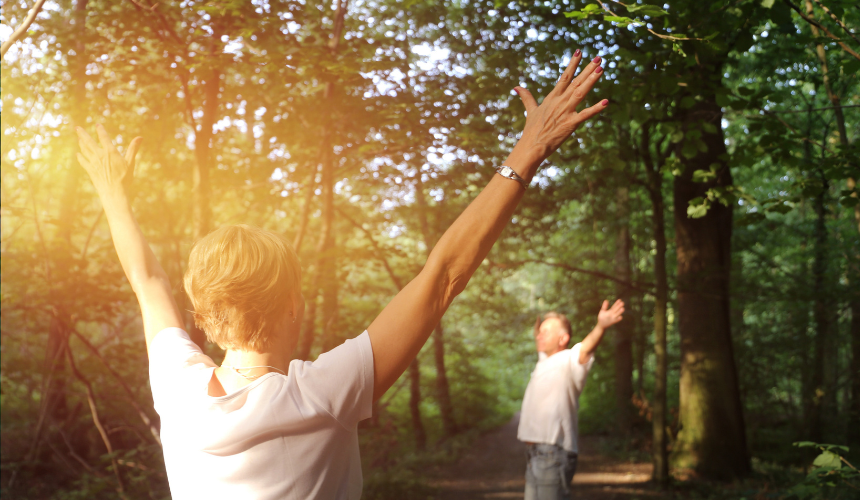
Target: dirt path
[[495, 468]]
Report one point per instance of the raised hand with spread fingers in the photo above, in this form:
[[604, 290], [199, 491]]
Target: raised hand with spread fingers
[[112, 175]]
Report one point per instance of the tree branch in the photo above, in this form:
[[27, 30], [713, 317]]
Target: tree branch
[[818, 25], [18, 33], [836, 20], [96, 419], [131, 396], [596, 274], [379, 255]]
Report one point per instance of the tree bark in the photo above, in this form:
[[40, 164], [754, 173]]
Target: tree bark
[[415, 404], [443, 392], [202, 189], [443, 395], [69, 214], [822, 324], [712, 439], [307, 339], [660, 443], [327, 263], [823, 393], [854, 412], [624, 330]]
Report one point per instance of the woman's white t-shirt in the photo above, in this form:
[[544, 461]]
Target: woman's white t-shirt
[[280, 437]]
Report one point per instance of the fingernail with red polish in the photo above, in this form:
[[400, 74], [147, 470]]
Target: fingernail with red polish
[[599, 70], [605, 102], [577, 53], [596, 60]]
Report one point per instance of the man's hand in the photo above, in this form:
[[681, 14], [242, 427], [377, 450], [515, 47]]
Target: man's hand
[[608, 316], [107, 169]]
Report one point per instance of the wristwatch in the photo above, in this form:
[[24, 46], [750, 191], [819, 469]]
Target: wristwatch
[[508, 173]]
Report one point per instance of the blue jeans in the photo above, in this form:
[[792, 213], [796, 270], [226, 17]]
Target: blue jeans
[[549, 471]]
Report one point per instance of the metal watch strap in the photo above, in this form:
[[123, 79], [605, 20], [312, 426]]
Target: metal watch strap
[[508, 173]]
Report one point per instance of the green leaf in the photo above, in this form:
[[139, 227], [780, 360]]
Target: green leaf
[[767, 3], [647, 10], [687, 102], [690, 150], [698, 208], [677, 136], [744, 91], [750, 218], [591, 8], [803, 444], [780, 208], [575, 15], [828, 460], [709, 127], [703, 175], [619, 19]]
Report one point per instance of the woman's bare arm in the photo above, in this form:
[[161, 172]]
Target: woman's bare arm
[[398, 333], [111, 174]]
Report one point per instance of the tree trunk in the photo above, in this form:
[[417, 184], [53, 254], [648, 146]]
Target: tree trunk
[[823, 394], [415, 404], [201, 188], [306, 210], [712, 439], [624, 330], [854, 413], [660, 443], [69, 212], [640, 343], [854, 300], [443, 395], [443, 392], [327, 263], [306, 341]]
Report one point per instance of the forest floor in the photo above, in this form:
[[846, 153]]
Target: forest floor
[[494, 468]]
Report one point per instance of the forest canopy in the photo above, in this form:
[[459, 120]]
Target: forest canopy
[[716, 195]]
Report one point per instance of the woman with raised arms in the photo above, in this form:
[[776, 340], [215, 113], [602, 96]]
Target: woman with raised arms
[[264, 426]]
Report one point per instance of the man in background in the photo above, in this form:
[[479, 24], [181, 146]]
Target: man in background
[[548, 420]]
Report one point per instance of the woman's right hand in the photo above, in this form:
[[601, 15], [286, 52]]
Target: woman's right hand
[[107, 169], [549, 124]]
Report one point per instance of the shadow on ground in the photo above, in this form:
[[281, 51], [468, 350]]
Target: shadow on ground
[[495, 468]]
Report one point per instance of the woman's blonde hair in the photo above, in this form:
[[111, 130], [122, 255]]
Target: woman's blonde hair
[[241, 281]]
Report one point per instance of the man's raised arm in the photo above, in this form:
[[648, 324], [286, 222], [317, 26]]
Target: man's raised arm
[[398, 333], [111, 174], [607, 317]]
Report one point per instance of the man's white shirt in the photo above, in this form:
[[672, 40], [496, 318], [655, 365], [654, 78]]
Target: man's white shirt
[[551, 402], [280, 437]]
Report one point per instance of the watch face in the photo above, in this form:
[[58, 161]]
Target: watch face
[[506, 171]]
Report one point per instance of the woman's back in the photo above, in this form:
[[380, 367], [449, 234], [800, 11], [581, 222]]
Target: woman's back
[[292, 436]]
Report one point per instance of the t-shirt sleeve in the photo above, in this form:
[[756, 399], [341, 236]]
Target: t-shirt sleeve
[[579, 371], [176, 366], [341, 380]]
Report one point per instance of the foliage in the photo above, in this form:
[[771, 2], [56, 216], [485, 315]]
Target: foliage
[[420, 107], [831, 475]]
